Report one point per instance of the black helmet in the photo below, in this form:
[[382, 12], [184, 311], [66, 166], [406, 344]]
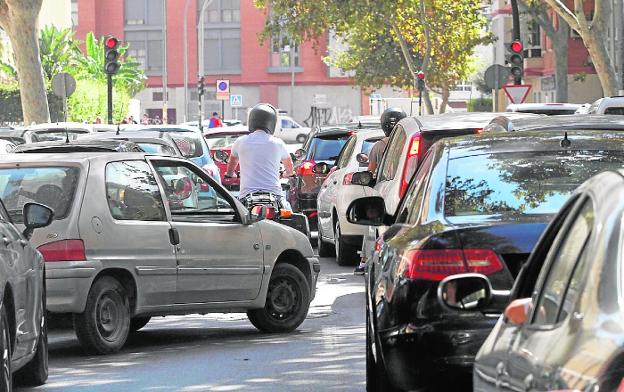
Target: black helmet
[[390, 117], [263, 116]]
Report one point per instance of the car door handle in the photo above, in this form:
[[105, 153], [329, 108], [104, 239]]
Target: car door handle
[[174, 236]]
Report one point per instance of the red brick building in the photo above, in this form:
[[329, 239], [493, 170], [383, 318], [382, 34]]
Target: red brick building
[[232, 51]]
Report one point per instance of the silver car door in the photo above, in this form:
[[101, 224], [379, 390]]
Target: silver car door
[[220, 259]]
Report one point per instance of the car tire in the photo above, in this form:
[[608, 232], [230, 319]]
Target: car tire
[[35, 372], [137, 323], [287, 302], [324, 249], [301, 138], [6, 377], [346, 254], [104, 325]]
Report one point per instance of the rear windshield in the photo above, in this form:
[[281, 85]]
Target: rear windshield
[[520, 183], [618, 111], [155, 148], [52, 135], [189, 143], [13, 139], [52, 186], [221, 141], [326, 149]]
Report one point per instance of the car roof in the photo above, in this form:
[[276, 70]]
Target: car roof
[[60, 125], [123, 135], [103, 143], [542, 106], [76, 157], [571, 121], [161, 128], [495, 143], [448, 121], [370, 133]]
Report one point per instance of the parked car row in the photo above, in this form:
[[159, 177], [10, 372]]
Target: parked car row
[[495, 257]]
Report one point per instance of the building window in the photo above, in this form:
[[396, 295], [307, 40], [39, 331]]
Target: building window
[[222, 42], [144, 33], [464, 85], [281, 52], [74, 13]]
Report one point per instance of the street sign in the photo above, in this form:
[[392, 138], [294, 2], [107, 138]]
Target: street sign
[[517, 94], [63, 85], [375, 96], [496, 76], [223, 89], [236, 101]]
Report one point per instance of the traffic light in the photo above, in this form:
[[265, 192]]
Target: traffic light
[[200, 86], [516, 60], [421, 81], [111, 55]]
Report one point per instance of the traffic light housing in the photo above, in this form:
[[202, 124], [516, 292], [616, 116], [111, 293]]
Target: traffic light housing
[[516, 61], [421, 81], [111, 55], [200, 86]]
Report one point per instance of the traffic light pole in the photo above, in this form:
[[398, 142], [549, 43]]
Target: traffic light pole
[[199, 122], [109, 85], [515, 15]]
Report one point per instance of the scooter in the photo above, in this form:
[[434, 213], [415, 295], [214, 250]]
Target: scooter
[[275, 211]]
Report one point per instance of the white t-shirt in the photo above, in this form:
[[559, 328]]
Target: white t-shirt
[[260, 155]]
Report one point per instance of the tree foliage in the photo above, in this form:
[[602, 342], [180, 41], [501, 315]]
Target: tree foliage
[[59, 51], [89, 102]]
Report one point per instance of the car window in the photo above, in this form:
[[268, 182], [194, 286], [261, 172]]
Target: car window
[[392, 155], [413, 196], [155, 148], [215, 141], [286, 123], [190, 193], [4, 214], [189, 143], [530, 182], [132, 192], [326, 148], [347, 151], [57, 135], [564, 258], [614, 110], [368, 144], [52, 186]]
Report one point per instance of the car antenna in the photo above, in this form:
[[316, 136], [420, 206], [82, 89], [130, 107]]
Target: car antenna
[[118, 129], [66, 135], [565, 142], [360, 124]]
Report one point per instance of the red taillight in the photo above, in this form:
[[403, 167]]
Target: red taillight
[[65, 250], [411, 162], [347, 179], [437, 264], [270, 213], [305, 169], [478, 131]]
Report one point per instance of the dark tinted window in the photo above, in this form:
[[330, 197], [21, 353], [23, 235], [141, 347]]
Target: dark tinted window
[[618, 111], [326, 149], [549, 112], [52, 186], [520, 183], [189, 143], [368, 145], [154, 148]]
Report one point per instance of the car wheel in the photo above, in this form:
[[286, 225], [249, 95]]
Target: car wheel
[[324, 249], [301, 138], [137, 323], [104, 325], [6, 382], [287, 302], [35, 372], [346, 254]]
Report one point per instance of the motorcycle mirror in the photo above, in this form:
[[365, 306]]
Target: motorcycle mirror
[[321, 168], [362, 159]]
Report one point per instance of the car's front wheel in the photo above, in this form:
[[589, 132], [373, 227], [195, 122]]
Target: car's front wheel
[[104, 325], [287, 302], [6, 380]]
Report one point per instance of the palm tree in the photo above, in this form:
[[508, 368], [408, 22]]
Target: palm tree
[[59, 51]]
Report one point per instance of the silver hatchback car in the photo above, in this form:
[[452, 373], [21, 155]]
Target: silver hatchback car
[[136, 236]]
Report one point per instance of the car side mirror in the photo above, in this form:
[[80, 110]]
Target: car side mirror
[[465, 292], [36, 216], [321, 168], [220, 156], [300, 154], [367, 211], [518, 311], [362, 159], [364, 178], [183, 188]]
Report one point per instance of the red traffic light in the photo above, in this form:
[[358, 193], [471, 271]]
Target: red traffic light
[[516, 47], [111, 42], [421, 75]]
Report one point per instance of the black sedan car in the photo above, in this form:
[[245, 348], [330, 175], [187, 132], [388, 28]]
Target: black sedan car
[[479, 205], [563, 330]]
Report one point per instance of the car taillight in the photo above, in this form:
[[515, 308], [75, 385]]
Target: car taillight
[[305, 169], [478, 131], [347, 179], [411, 162], [65, 250], [437, 264]]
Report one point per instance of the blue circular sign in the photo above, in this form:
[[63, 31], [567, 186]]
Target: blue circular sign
[[223, 86]]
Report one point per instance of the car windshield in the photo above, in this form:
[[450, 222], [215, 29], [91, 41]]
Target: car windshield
[[51, 135], [189, 143], [52, 186], [221, 141], [522, 182], [326, 149], [155, 148]]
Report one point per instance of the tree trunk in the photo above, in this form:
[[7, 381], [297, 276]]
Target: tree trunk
[[560, 45], [19, 18], [446, 93], [597, 48]]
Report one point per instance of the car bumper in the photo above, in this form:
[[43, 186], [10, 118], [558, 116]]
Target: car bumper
[[315, 268], [450, 346], [68, 284]]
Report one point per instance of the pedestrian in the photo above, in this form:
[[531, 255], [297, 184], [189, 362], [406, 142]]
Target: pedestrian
[[215, 121], [145, 120], [389, 118], [157, 120], [131, 120], [98, 120]]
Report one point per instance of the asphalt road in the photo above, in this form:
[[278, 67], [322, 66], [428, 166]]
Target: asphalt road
[[224, 352]]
